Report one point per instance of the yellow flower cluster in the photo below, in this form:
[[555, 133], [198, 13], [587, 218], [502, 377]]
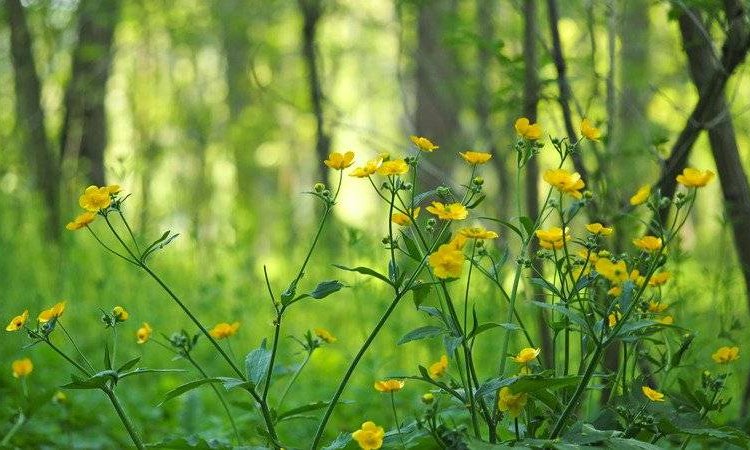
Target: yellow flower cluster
[[21, 367], [453, 211], [448, 260], [370, 436], [224, 330], [726, 355], [93, 200], [528, 130]]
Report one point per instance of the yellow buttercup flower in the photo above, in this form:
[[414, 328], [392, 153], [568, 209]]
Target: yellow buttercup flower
[[439, 368], [82, 220], [17, 322], [477, 233], [526, 355], [565, 182], [144, 333], [653, 395], [597, 228], [113, 189], [659, 278], [453, 211], [589, 131], [475, 158], [637, 278], [527, 130], [339, 161], [389, 385], [613, 318], [325, 335], [510, 402], [52, 313], [22, 367], [666, 320], [120, 314], [404, 219], [694, 178], [447, 261], [648, 243], [643, 193], [657, 307], [726, 355], [423, 143], [368, 169], [552, 238], [369, 437], [224, 330], [616, 272], [95, 198], [393, 167], [614, 291]]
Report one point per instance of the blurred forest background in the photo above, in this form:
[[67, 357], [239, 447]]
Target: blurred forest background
[[216, 115]]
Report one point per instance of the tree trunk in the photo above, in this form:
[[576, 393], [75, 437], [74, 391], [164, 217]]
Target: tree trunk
[[44, 164], [734, 185], [84, 133]]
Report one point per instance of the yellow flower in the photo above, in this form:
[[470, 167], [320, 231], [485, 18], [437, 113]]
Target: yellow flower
[[17, 322], [527, 354], [120, 313], [368, 169], [439, 368], [726, 355], [614, 291], [144, 333], [423, 143], [95, 198], [591, 256], [113, 189], [52, 313], [589, 131], [657, 307], [393, 167], [597, 228], [694, 178], [447, 261], [551, 238], [643, 193], [659, 279], [404, 219], [527, 130], [653, 395], [637, 278], [339, 161], [613, 318], [428, 398], [475, 158], [389, 385], [648, 243], [565, 182], [369, 437], [325, 335], [22, 367], [453, 211], [59, 397], [477, 233], [614, 272], [666, 320], [512, 403], [82, 220], [224, 330]]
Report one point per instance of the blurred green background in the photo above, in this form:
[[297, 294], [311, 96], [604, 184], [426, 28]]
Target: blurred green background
[[214, 115]]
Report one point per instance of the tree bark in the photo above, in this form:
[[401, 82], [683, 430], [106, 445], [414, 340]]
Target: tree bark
[[44, 164], [311, 11], [84, 132], [702, 62]]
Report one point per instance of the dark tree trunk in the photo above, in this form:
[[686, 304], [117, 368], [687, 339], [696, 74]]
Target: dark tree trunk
[[84, 133], [44, 164], [734, 185], [311, 11]]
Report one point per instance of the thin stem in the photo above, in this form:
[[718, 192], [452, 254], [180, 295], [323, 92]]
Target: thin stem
[[512, 307], [72, 341], [67, 358], [124, 418], [274, 351], [130, 232], [218, 394], [119, 239], [395, 417], [293, 380], [116, 253], [573, 402], [14, 429], [518, 434]]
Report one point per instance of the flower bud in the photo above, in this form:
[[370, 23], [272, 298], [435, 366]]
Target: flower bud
[[443, 191], [319, 187], [407, 186], [478, 181], [428, 398]]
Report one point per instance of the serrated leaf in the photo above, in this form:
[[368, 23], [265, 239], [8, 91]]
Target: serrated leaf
[[187, 387], [256, 363], [421, 333], [411, 247], [365, 271], [491, 386], [326, 288], [340, 442], [96, 381], [129, 365]]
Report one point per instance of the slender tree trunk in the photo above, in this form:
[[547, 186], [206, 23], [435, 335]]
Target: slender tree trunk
[[734, 185], [84, 132], [311, 13], [43, 163]]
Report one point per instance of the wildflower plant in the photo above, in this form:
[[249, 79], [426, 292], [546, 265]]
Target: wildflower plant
[[594, 300]]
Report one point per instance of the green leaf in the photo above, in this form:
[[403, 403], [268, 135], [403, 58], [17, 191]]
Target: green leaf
[[141, 371], [365, 271], [129, 365], [256, 363], [232, 383], [528, 224], [631, 327], [491, 386], [187, 387], [476, 202], [617, 443], [314, 406], [107, 357], [420, 292], [421, 333], [546, 285], [97, 381], [532, 383], [340, 442], [420, 197], [326, 288], [289, 292], [411, 247], [572, 314], [194, 443], [490, 325], [507, 224]]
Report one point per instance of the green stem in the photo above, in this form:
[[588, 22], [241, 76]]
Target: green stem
[[395, 417], [124, 418], [130, 231], [512, 307], [116, 253], [72, 341], [573, 402], [14, 429], [221, 398], [293, 380], [67, 358]]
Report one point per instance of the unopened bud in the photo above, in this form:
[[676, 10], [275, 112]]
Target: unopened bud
[[319, 187]]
